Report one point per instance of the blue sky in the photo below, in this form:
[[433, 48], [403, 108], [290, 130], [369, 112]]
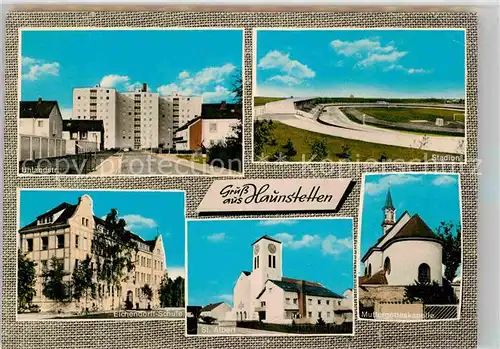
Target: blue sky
[[435, 197], [191, 62], [313, 249], [365, 63], [147, 214]]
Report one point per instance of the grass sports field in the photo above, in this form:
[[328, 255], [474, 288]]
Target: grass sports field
[[408, 114], [257, 101], [360, 151]]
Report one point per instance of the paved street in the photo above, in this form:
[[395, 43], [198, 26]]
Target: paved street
[[141, 163], [335, 123]]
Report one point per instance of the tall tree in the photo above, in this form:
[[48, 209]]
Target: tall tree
[[452, 248], [171, 292], [115, 249], [237, 86], [26, 280], [82, 282], [54, 285], [147, 291], [262, 135]]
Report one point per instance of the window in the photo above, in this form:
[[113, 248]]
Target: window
[[44, 265], [213, 127], [40, 123], [274, 261], [83, 221], [288, 301], [78, 97], [60, 241], [309, 314], [424, 273], [269, 261], [45, 242], [319, 314], [369, 270], [30, 245], [387, 266], [319, 301], [262, 304], [310, 301], [257, 261], [328, 302], [107, 97], [84, 243], [76, 263], [76, 241], [84, 135], [295, 300]]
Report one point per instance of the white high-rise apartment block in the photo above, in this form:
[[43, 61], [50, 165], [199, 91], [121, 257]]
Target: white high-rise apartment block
[[135, 120], [98, 103]]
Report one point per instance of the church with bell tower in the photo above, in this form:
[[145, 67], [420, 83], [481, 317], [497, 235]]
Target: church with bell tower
[[407, 251], [264, 294]]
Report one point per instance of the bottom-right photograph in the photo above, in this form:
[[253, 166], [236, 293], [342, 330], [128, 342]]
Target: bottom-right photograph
[[410, 247]]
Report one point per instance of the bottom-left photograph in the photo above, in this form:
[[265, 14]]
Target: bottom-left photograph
[[100, 254]]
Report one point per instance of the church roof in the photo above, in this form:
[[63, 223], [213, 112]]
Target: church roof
[[211, 306], [310, 288], [376, 279], [388, 200], [414, 229], [267, 237]]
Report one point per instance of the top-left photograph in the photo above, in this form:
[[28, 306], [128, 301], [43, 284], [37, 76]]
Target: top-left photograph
[[135, 101]]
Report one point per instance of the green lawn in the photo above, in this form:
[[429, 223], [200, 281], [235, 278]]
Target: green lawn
[[360, 151], [407, 114], [263, 100]]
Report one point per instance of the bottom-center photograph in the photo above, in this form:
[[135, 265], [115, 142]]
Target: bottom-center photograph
[[270, 276]]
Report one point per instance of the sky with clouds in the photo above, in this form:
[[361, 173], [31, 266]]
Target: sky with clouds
[[190, 62], [146, 214], [313, 249], [364, 63], [434, 197]]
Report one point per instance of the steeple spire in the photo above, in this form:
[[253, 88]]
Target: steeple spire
[[388, 199], [389, 212]]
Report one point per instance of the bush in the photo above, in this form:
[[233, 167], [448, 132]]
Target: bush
[[431, 293], [319, 149], [228, 153], [345, 153], [208, 319], [320, 322], [290, 148], [346, 327]]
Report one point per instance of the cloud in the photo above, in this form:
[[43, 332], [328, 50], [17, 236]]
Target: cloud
[[220, 93], [287, 80], [371, 52], [407, 70], [270, 222], [34, 69], [120, 82], [332, 245], [209, 75], [350, 48], [113, 80], [206, 83], [175, 272], [135, 221], [444, 180], [307, 240], [216, 237], [226, 297], [294, 72], [374, 58], [183, 75], [375, 188]]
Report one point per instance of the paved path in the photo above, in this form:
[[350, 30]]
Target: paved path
[[341, 126], [142, 163]]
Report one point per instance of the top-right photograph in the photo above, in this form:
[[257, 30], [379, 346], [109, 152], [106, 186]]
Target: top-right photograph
[[359, 95]]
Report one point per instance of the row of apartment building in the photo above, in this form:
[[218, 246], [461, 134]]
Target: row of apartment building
[[135, 120]]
